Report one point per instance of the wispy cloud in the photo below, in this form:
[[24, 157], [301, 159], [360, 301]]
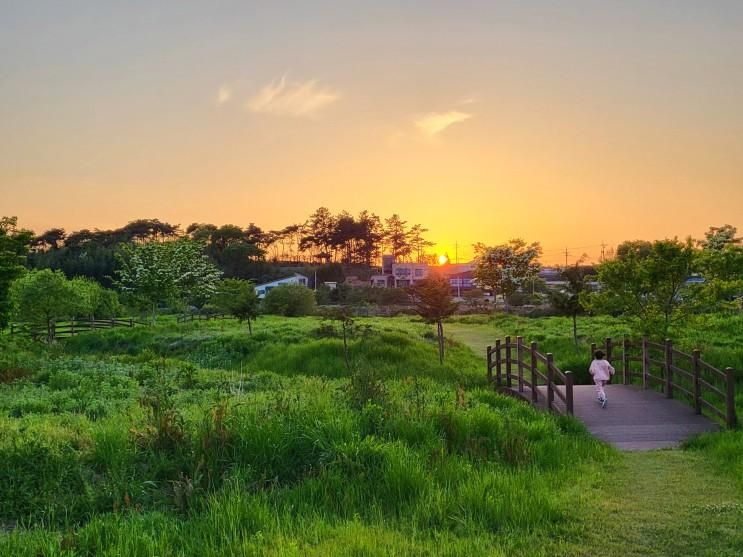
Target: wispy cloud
[[293, 98], [224, 94], [434, 123]]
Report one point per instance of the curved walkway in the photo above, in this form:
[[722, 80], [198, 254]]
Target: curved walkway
[[635, 418]]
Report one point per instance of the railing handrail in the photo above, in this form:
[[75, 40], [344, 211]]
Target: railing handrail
[[520, 357], [674, 365]]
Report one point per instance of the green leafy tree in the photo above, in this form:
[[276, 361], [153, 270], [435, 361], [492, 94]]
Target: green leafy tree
[[175, 273], [721, 265], [567, 300], [648, 284], [88, 296], [507, 267], [13, 250], [434, 303], [43, 297], [717, 238], [290, 300], [237, 298]]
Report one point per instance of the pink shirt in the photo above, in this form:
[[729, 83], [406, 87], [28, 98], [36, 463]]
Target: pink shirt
[[601, 369]]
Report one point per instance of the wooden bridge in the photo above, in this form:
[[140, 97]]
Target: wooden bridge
[[660, 396]]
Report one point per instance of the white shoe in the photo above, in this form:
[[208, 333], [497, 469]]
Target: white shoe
[[603, 403]]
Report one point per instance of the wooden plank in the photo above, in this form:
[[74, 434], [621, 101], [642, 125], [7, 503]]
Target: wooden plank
[[707, 367], [711, 387]]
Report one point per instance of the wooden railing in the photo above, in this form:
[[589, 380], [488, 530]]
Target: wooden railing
[[681, 375], [201, 317], [66, 329], [515, 362]]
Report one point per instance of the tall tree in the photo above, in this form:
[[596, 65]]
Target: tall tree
[[567, 300], [371, 234], [51, 239], [14, 245], [397, 237], [721, 265], [418, 244], [648, 285], [319, 234], [718, 238], [174, 273], [434, 303], [507, 267], [43, 297]]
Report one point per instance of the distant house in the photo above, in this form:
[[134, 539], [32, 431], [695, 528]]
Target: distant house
[[403, 275], [398, 275], [462, 281], [262, 289]]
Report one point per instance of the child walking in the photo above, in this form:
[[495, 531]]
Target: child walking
[[602, 372]]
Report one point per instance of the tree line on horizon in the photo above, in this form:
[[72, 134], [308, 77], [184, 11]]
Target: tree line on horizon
[[240, 252]]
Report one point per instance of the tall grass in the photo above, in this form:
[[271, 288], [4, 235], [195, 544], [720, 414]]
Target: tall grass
[[201, 440]]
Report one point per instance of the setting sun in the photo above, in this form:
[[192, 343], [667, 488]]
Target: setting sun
[[443, 259]]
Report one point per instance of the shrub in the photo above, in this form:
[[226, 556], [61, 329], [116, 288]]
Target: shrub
[[290, 300]]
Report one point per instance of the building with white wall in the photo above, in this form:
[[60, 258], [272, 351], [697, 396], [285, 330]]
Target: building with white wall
[[262, 289]]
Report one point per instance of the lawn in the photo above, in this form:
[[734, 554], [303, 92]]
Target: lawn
[[198, 439]]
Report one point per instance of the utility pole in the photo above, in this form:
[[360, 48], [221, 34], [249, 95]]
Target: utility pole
[[603, 248], [456, 260], [566, 257]]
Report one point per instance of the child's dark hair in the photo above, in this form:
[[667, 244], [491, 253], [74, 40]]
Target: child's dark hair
[[599, 355]]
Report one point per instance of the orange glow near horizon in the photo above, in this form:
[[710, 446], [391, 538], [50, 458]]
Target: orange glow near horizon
[[578, 130]]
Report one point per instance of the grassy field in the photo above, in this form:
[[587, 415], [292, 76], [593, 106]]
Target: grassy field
[[198, 439]]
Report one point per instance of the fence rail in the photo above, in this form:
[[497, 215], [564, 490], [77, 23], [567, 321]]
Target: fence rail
[[678, 374], [515, 362], [201, 317], [66, 329]]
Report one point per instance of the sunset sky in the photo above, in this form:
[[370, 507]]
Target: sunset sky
[[571, 123]]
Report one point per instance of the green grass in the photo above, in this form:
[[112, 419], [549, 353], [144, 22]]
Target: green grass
[[197, 439]]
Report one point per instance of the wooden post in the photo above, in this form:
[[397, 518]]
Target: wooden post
[[669, 373], [593, 350], [508, 362], [490, 365], [625, 361], [534, 380], [498, 374], [645, 362], [607, 348], [550, 381], [72, 328], [131, 322], [695, 357], [520, 361], [569, 392], [12, 328], [730, 397]]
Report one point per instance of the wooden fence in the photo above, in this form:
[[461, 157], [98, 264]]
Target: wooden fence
[[681, 375], [201, 317], [66, 329], [515, 362]]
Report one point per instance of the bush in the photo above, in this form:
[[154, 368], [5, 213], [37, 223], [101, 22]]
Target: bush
[[290, 300]]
